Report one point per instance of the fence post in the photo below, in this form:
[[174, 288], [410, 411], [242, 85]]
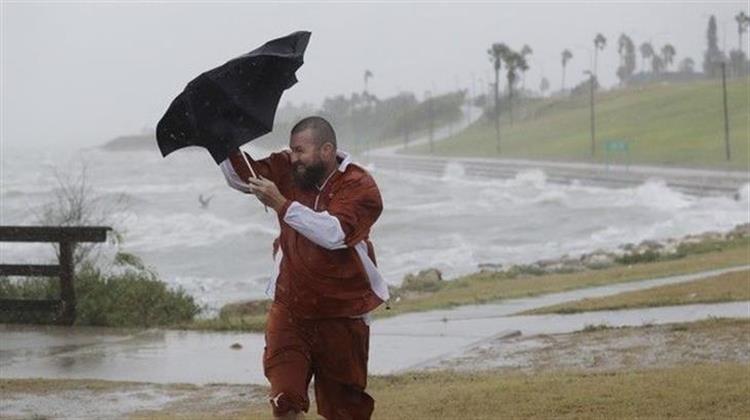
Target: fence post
[[67, 290]]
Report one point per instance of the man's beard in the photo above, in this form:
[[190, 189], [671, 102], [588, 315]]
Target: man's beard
[[311, 177]]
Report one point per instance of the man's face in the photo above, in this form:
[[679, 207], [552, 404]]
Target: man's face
[[307, 165]]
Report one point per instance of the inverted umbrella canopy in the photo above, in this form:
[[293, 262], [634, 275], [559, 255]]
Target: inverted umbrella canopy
[[234, 103]]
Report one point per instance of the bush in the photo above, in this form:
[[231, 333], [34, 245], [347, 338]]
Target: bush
[[32, 288], [702, 247], [134, 297], [638, 258]]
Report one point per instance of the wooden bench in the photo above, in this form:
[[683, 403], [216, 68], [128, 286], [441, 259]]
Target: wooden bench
[[67, 237]]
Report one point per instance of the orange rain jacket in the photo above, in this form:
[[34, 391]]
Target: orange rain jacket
[[325, 261]]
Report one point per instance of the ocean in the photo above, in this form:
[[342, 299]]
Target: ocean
[[451, 222]]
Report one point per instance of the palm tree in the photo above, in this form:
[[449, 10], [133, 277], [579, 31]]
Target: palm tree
[[743, 21], [495, 53], [544, 85], [566, 56], [646, 52], [514, 62], [626, 49], [657, 63], [526, 50], [599, 43], [368, 75], [687, 65], [668, 52]]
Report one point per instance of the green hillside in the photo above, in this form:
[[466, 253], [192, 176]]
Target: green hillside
[[679, 124]]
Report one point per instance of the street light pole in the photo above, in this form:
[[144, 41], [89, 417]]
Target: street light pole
[[593, 121], [726, 110], [497, 112], [430, 117]]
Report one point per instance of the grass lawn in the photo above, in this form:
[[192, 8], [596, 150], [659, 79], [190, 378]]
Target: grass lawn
[[680, 124], [697, 392], [701, 391], [727, 287]]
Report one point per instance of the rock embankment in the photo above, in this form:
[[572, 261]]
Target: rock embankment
[[646, 251], [430, 280]]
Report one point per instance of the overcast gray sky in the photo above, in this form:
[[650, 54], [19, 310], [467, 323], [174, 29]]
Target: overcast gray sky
[[82, 73]]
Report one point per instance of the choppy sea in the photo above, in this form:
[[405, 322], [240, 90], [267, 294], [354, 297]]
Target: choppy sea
[[452, 222]]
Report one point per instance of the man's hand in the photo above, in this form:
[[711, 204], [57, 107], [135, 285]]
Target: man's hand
[[267, 192]]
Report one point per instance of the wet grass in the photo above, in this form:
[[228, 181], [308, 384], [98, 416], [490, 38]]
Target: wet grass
[[240, 322], [705, 391], [710, 391], [667, 124], [728, 287]]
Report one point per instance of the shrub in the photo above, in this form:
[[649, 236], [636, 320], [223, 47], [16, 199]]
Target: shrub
[[32, 288], [133, 297], [638, 258]]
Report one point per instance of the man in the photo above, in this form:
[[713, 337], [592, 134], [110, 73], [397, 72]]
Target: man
[[326, 282]]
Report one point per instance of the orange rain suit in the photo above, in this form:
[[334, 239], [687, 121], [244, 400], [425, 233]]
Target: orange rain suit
[[317, 326]]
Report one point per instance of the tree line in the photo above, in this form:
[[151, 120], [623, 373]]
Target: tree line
[[363, 120], [655, 60]]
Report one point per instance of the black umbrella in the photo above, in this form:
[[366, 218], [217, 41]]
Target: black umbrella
[[234, 103]]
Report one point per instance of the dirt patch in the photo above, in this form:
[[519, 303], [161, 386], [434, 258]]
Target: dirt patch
[[606, 349], [91, 399]]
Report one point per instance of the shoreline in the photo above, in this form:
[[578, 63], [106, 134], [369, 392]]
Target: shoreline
[[249, 315]]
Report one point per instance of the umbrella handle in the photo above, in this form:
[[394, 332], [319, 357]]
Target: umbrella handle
[[252, 172], [247, 162]]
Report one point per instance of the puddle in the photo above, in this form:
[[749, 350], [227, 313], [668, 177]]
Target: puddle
[[154, 356], [404, 342]]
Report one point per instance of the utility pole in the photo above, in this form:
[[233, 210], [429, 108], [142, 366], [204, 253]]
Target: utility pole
[[726, 110], [497, 113], [430, 117], [593, 120]]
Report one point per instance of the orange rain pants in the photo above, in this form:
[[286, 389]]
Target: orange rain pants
[[333, 350]]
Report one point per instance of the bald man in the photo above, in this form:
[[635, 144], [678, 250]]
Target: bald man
[[326, 281]]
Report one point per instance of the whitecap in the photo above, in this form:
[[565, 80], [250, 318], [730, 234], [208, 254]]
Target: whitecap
[[153, 232]]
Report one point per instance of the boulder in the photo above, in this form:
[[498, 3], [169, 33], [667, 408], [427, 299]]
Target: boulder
[[429, 280]]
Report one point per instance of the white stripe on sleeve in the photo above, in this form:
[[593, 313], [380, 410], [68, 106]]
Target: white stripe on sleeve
[[320, 227], [377, 283], [233, 179]]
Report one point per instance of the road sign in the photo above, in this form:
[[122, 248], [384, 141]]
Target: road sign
[[614, 147], [617, 145]]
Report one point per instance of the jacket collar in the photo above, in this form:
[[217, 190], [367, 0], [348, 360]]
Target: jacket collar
[[346, 159]]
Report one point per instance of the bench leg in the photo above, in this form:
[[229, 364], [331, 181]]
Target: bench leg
[[67, 291]]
